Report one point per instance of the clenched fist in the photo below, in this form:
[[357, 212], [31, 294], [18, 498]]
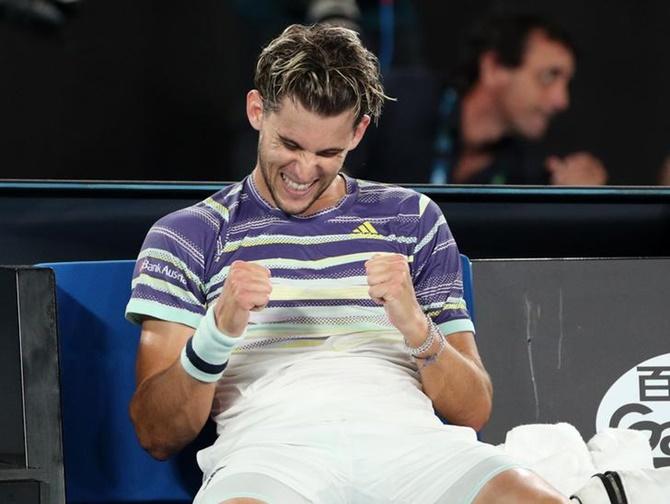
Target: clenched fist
[[247, 288], [391, 285]]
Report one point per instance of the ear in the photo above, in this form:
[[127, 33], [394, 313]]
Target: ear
[[491, 72], [255, 109], [359, 131]]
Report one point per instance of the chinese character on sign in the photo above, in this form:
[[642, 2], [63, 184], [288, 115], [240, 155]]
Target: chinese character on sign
[[654, 383]]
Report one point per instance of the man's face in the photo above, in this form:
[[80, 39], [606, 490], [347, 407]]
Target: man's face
[[300, 154], [532, 93]]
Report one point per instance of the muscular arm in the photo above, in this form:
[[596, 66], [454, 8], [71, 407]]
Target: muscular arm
[[169, 407], [457, 383]]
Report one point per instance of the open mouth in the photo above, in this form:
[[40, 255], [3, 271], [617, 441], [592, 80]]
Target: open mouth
[[296, 187]]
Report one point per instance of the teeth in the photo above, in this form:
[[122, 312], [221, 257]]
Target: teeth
[[295, 185]]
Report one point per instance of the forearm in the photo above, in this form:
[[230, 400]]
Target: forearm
[[456, 381], [177, 368], [459, 388], [169, 409]]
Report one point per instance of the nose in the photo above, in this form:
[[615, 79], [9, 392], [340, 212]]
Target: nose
[[560, 97], [307, 165]]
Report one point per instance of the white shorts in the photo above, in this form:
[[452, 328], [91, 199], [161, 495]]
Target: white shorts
[[354, 462]]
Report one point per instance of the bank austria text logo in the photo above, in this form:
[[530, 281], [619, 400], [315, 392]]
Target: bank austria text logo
[[640, 400], [163, 269]]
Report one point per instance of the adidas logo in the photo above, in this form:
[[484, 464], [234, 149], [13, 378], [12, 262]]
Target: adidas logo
[[366, 228]]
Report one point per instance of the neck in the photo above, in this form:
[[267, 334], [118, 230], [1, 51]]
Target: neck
[[481, 120], [259, 182], [333, 195]]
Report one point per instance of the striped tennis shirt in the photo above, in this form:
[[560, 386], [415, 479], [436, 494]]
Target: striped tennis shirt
[[321, 344]]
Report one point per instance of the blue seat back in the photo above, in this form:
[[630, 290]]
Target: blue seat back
[[468, 293], [104, 462]]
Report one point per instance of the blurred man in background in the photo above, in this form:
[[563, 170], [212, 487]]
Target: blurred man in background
[[511, 81]]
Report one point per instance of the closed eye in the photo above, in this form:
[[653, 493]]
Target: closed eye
[[550, 75], [290, 145], [293, 146], [330, 153]]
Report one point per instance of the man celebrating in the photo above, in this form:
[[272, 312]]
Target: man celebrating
[[317, 318]]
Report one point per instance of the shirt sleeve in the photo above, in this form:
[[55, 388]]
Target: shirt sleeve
[[168, 281], [437, 273]]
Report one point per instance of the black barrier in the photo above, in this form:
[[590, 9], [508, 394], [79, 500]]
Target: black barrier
[[12, 441], [580, 341], [31, 458], [43, 221]]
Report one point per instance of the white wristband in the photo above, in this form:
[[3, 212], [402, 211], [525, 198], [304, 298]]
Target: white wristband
[[206, 353]]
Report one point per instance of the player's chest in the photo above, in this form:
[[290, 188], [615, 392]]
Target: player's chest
[[342, 240]]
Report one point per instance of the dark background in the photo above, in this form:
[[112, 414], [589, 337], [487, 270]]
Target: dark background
[[154, 90]]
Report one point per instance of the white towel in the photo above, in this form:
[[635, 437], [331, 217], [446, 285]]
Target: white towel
[[593, 492], [620, 449], [555, 452], [647, 486]]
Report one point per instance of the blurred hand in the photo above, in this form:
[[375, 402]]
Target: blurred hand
[[664, 175], [578, 169], [247, 288], [391, 285]]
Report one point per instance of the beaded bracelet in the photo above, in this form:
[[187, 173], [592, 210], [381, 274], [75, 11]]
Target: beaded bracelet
[[427, 361], [433, 332]]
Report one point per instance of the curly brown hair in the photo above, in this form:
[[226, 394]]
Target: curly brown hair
[[324, 67]]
